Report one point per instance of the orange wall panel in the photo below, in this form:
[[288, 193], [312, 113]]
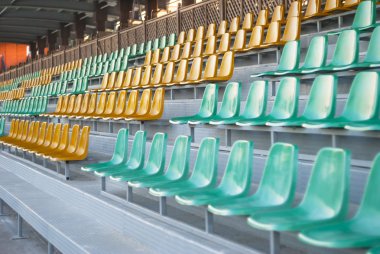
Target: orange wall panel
[[13, 53]]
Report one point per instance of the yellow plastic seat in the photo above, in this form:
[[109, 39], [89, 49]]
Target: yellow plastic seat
[[222, 29], [61, 106], [22, 135], [104, 83], [119, 107], [111, 81], [313, 9], [119, 80], [240, 41], [190, 35], [136, 78], [195, 72], [292, 30], [156, 57], [226, 69], [70, 107], [278, 14], [157, 76], [76, 107], [131, 106], [168, 76], [210, 46], [211, 67], [148, 57], [91, 107], [198, 49], [145, 80], [211, 30], [224, 44], [186, 50], [57, 107], [256, 39], [181, 37], [82, 107], [234, 25], [174, 56], [71, 143], [181, 73], [100, 107], [127, 79], [165, 55], [247, 22], [349, 4], [37, 140], [262, 18], [51, 141], [294, 9], [143, 106], [200, 33], [57, 145], [32, 136], [273, 34], [157, 107], [43, 141], [110, 106], [12, 130]]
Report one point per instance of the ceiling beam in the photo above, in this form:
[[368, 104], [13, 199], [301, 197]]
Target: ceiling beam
[[40, 15], [29, 24], [22, 29]]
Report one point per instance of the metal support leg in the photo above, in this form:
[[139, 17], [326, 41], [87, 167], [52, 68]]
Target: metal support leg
[[163, 206], [278, 55], [340, 21], [50, 248], [95, 125], [44, 162], [142, 126], [58, 168], [272, 138], [110, 127], [2, 208], [209, 221], [228, 137], [192, 133], [103, 183], [259, 58], [129, 193], [274, 241], [19, 228], [333, 140], [33, 157], [318, 26], [67, 170], [23, 154]]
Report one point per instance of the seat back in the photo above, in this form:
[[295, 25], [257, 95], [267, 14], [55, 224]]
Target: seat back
[[231, 100], [322, 99], [186, 50], [181, 71], [273, 32], [225, 43], [56, 136], [120, 103], [316, 53], [132, 102], [365, 15], [168, 74], [248, 21], [179, 161], [347, 49], [327, 189], [222, 29], [195, 70], [119, 80], [171, 40], [157, 75], [35, 133], [157, 107], [84, 105], [294, 9], [145, 80], [227, 66], [92, 104], [257, 99], [71, 104], [237, 176], [234, 25], [278, 13], [363, 100], [313, 8], [120, 152], [59, 104], [190, 35], [292, 30], [206, 164], [210, 46], [78, 104], [373, 52], [240, 40], [211, 67], [290, 56], [137, 77], [29, 135], [42, 133], [64, 141], [110, 105], [144, 104], [137, 156], [156, 56], [111, 80], [82, 149], [331, 5], [165, 55], [64, 104], [200, 33], [175, 52], [74, 139], [128, 79], [49, 135], [157, 153], [101, 105], [198, 48], [211, 30], [256, 38], [286, 102], [24, 133], [278, 183]]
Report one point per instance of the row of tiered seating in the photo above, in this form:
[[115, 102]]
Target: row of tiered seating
[[14, 94], [360, 112], [270, 207], [112, 105], [28, 106]]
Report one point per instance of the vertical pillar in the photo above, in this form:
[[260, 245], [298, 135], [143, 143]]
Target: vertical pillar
[[20, 234], [125, 7], [80, 25], [65, 34], [152, 9], [41, 44], [52, 40], [100, 16], [33, 50], [187, 2]]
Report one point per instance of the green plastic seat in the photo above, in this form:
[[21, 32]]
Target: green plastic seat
[[204, 174], [118, 64], [277, 186], [320, 105], [135, 160], [316, 55], [155, 163], [99, 69], [374, 251], [325, 200], [230, 107], [363, 230], [172, 39], [255, 106], [362, 105], [289, 60], [124, 64], [105, 68], [207, 109], [365, 15], [235, 182], [141, 49], [163, 41], [128, 51], [120, 153], [2, 126], [178, 167], [156, 43], [372, 57], [285, 104], [111, 67], [148, 46]]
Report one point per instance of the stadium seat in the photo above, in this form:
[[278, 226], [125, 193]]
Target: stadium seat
[[375, 250], [255, 105], [372, 57], [156, 108], [360, 231], [361, 106], [316, 55], [234, 25], [365, 15], [276, 189], [155, 164], [130, 107], [247, 22], [285, 104], [178, 166], [236, 180], [262, 18], [230, 107], [222, 29], [320, 105], [143, 105], [211, 30], [205, 168]]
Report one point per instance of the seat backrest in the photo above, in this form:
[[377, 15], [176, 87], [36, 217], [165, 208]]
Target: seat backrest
[[64, 140], [234, 25], [231, 100], [195, 70], [29, 134], [120, 103], [313, 8], [174, 56], [157, 75], [157, 153], [165, 55], [316, 54], [92, 104], [84, 105], [273, 32], [56, 136], [145, 80], [198, 48], [256, 38], [132, 103], [65, 103], [278, 183], [286, 102], [181, 71], [186, 50], [256, 103], [373, 52], [200, 33], [110, 105], [156, 56], [278, 13], [119, 80], [120, 152], [181, 37], [262, 18], [211, 30], [222, 29], [363, 100], [225, 43], [347, 49], [163, 42], [137, 156], [171, 40], [101, 105], [82, 149], [294, 9], [49, 135], [35, 134], [370, 204], [157, 107], [240, 40], [292, 30], [206, 164], [144, 104], [42, 133], [211, 67], [210, 46], [111, 80], [59, 104], [78, 104], [322, 99], [179, 161], [227, 66], [238, 173], [137, 77], [331, 5], [24, 133], [248, 21], [74, 139], [169, 73], [190, 35], [328, 185], [290, 56], [128, 78], [71, 104], [365, 14]]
